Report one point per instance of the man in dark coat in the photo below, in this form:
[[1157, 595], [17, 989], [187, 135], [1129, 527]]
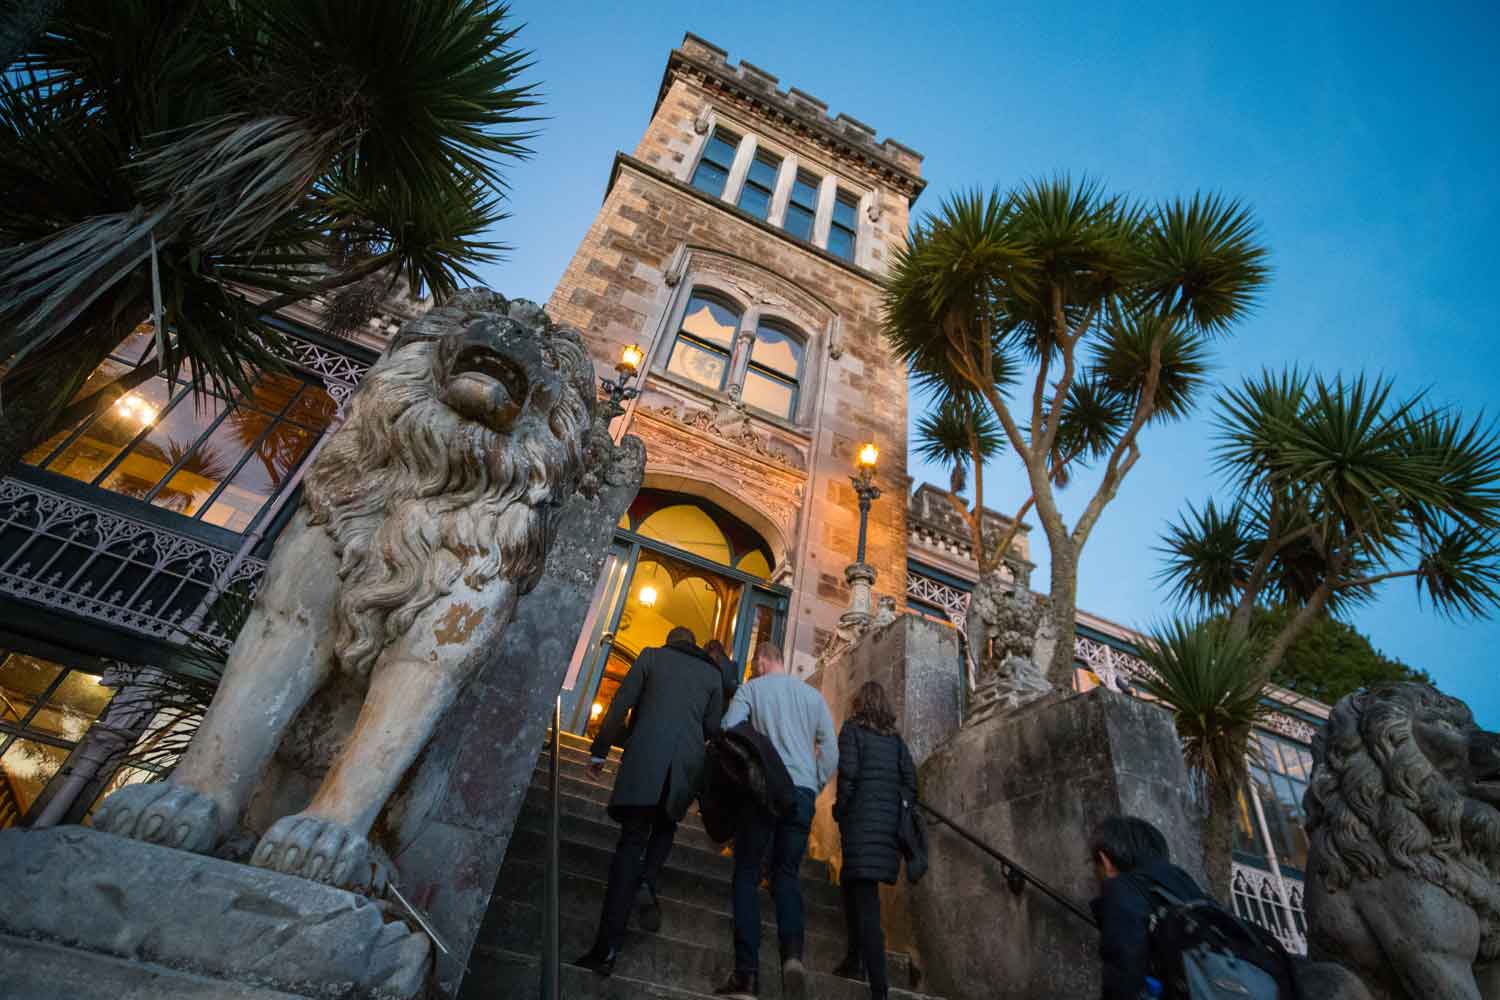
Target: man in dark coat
[[675, 697], [1129, 853]]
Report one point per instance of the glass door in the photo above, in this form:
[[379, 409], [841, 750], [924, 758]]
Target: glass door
[[762, 619]]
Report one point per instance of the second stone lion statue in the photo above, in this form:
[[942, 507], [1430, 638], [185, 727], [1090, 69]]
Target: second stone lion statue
[[1405, 832], [426, 515]]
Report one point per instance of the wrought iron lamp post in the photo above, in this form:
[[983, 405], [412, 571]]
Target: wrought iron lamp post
[[618, 390], [859, 574]]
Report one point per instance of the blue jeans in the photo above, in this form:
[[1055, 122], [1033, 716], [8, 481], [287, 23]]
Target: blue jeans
[[787, 839]]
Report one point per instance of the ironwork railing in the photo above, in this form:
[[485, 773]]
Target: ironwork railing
[[65, 553], [1016, 877], [552, 908], [1272, 903]]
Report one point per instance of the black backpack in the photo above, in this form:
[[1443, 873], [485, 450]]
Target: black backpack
[[1201, 951]]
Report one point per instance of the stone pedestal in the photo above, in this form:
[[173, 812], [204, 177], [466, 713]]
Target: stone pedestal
[[861, 578], [104, 917], [1034, 783], [480, 765]]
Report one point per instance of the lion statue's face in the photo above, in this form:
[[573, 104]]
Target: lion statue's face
[[457, 450], [1405, 784]]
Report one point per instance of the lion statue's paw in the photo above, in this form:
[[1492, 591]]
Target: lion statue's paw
[[321, 850], [161, 813]]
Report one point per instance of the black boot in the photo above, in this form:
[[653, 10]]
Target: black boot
[[852, 967], [598, 961], [793, 972], [740, 986]]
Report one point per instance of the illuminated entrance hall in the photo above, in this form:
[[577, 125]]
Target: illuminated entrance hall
[[678, 560]]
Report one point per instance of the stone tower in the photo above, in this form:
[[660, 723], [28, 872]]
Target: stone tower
[[741, 246]]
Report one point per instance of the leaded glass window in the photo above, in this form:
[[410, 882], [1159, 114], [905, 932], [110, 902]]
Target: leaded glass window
[[705, 341], [760, 184], [802, 206], [775, 366], [718, 156], [844, 226], [45, 709]]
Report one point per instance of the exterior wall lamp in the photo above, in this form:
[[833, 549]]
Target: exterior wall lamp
[[617, 391]]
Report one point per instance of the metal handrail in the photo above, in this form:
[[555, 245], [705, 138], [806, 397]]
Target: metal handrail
[[1016, 877], [551, 911]]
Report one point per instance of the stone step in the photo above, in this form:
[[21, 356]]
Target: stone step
[[648, 967], [678, 878], [586, 822], [516, 924], [598, 794]]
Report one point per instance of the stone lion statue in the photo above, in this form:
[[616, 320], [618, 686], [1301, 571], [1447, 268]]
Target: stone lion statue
[[426, 515], [1010, 638], [1401, 811]]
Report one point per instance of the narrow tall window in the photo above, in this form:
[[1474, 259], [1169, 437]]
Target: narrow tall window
[[705, 341], [802, 208], [771, 381], [844, 225], [718, 157], [760, 182]]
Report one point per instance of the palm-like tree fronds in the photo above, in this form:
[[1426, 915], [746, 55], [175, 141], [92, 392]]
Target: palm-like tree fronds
[[1124, 356], [951, 431], [1204, 262], [1208, 554]]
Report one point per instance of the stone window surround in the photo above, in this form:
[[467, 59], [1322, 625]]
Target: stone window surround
[[831, 182], [753, 310]]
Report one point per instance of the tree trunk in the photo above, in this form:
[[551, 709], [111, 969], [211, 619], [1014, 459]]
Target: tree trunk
[[1064, 596], [30, 403], [1218, 839]]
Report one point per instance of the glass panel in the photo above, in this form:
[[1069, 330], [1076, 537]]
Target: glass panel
[[169, 441], [687, 527], [769, 394], [763, 171], [124, 776], [841, 243], [805, 191], [195, 481], [314, 408], [111, 431], [761, 630], [755, 200], [699, 364], [710, 321], [25, 770], [665, 593], [844, 207], [778, 351], [273, 392], [75, 704], [23, 680], [755, 563], [721, 148], [261, 477], [710, 178], [799, 222]]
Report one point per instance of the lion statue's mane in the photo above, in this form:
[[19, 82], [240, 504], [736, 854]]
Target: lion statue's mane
[[1377, 805], [411, 505]]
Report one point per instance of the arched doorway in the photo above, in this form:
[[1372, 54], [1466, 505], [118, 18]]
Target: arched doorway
[[677, 560]]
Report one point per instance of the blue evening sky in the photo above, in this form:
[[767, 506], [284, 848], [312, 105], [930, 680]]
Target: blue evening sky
[[1366, 136]]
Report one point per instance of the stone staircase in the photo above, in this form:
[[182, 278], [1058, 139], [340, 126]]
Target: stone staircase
[[693, 952]]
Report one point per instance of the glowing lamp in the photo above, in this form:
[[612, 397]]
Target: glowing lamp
[[630, 359], [596, 710], [868, 456], [132, 407], [647, 596]]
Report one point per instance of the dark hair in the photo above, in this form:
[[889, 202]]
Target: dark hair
[[1129, 842], [872, 709], [680, 636]]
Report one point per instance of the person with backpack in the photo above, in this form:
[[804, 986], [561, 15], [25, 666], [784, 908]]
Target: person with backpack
[[876, 781], [1160, 935]]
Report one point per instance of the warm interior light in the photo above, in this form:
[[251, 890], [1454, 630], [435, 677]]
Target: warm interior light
[[630, 358], [132, 407], [596, 711], [868, 456], [648, 596]]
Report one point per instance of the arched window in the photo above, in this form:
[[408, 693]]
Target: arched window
[[774, 373], [705, 341]]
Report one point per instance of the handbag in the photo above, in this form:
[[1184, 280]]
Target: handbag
[[911, 838]]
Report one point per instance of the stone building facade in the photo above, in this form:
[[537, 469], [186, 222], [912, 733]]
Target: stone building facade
[[740, 246]]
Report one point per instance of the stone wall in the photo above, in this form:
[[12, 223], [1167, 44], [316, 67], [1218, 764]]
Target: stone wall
[[656, 236], [1034, 785]]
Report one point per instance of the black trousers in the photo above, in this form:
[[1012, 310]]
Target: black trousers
[[866, 936], [646, 834]]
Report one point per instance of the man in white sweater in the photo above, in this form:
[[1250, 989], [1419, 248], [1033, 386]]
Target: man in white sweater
[[793, 716]]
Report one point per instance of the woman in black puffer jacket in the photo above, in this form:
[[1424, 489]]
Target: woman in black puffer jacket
[[876, 776]]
